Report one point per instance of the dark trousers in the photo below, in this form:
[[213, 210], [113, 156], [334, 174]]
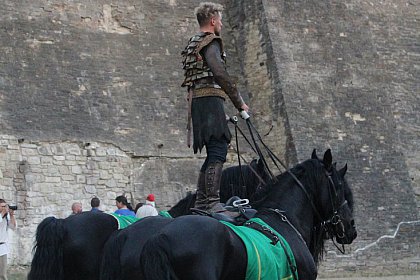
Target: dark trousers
[[216, 152]]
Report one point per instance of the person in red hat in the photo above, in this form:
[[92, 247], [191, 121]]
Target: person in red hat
[[148, 209]]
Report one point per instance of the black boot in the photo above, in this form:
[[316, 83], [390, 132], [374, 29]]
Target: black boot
[[201, 200], [213, 176]]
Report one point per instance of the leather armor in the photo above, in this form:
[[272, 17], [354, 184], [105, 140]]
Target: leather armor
[[195, 66]]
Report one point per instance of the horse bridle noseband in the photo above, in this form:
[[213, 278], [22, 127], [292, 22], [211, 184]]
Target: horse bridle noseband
[[335, 224], [329, 226]]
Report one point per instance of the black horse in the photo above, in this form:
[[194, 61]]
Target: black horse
[[121, 258], [72, 248], [243, 181], [315, 199]]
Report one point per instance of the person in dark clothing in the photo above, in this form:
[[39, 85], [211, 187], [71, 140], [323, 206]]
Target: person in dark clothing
[[95, 202], [208, 85]]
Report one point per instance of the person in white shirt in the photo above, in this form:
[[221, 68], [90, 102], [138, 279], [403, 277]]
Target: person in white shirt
[[7, 221], [148, 209]]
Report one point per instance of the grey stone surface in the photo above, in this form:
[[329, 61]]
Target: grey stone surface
[[91, 104]]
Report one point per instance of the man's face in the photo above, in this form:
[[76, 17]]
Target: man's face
[[3, 207], [119, 204], [217, 22], [77, 208]]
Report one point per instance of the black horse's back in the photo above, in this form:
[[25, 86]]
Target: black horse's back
[[71, 248], [47, 263], [155, 263], [86, 234], [121, 257], [110, 267], [193, 247]]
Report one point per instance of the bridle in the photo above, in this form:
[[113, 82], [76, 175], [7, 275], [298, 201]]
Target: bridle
[[332, 226]]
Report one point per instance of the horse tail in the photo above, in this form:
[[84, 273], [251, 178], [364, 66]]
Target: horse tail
[[47, 263], [154, 260], [111, 266]]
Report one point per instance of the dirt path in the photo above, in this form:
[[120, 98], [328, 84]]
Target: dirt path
[[400, 277]]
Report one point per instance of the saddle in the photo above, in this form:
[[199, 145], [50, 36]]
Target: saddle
[[235, 211]]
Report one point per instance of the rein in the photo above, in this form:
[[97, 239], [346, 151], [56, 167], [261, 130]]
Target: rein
[[326, 225]]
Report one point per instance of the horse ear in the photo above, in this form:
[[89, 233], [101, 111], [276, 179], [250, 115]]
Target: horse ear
[[314, 156], [343, 171], [327, 159]]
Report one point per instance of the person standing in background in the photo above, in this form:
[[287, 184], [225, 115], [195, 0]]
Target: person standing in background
[[76, 208], [7, 222], [148, 209], [122, 203], [94, 203]]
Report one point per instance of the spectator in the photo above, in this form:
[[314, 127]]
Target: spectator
[[140, 204], [7, 221], [76, 208], [121, 203], [148, 209], [95, 202]]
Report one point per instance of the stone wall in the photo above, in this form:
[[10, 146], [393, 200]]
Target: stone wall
[[45, 178], [91, 104], [343, 76]]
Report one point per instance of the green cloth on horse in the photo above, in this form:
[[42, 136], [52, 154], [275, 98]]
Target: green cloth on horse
[[165, 214], [265, 261], [124, 221]]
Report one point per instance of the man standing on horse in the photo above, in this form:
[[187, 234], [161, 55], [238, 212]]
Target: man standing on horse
[[208, 83]]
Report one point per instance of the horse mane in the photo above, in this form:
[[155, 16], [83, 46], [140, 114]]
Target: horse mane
[[232, 184], [308, 167], [183, 206]]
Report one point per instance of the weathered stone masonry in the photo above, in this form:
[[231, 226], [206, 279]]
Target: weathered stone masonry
[[44, 179], [91, 104]]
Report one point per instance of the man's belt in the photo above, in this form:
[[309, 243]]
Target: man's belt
[[1, 243], [204, 92]]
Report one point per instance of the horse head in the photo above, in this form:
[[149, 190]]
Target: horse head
[[337, 202]]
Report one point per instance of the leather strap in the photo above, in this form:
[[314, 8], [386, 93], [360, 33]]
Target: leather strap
[[264, 230], [203, 92], [189, 99]]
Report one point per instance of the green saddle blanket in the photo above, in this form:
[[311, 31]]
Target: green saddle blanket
[[265, 261], [124, 221], [164, 213]]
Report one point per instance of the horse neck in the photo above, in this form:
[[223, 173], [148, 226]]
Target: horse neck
[[183, 206], [290, 198]]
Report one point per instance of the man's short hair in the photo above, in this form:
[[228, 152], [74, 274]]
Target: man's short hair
[[206, 11], [95, 202], [122, 199]]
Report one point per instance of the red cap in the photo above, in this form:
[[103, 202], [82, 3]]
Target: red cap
[[151, 197]]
